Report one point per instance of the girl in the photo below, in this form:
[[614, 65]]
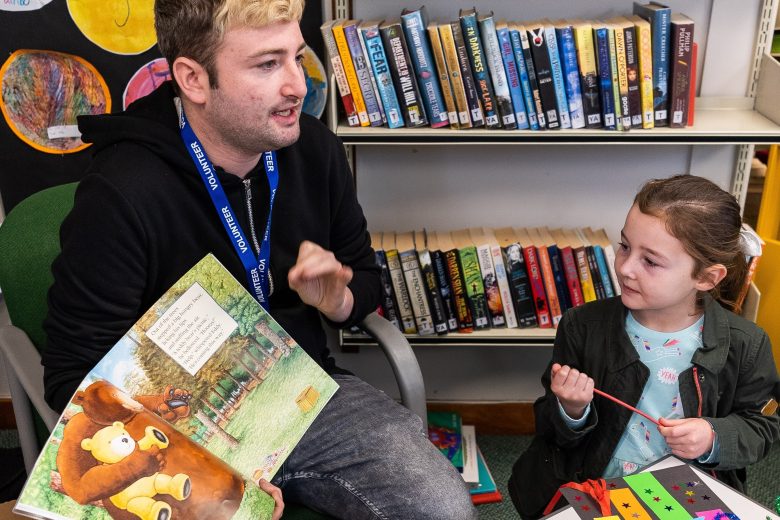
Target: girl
[[669, 345]]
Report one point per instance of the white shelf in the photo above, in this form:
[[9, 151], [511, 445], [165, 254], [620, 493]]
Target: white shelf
[[717, 121], [533, 336]]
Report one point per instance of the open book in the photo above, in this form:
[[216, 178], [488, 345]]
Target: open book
[[201, 398]]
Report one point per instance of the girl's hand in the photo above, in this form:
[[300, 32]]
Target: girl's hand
[[573, 389], [688, 438], [276, 493]]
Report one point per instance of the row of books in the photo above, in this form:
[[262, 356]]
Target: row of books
[[478, 278], [458, 442], [624, 72]]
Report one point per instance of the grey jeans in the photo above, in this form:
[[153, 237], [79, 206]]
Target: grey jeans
[[366, 456]]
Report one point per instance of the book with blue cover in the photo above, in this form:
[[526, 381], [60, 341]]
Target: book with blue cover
[[525, 83], [415, 25], [384, 81], [495, 61], [557, 75], [403, 74], [659, 17], [601, 40], [571, 73], [363, 71], [479, 66], [513, 75]]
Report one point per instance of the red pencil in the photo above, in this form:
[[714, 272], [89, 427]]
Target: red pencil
[[621, 403]]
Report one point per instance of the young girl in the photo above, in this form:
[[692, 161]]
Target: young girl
[[668, 345]]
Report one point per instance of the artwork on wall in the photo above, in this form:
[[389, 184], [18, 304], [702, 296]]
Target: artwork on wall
[[118, 26], [145, 80], [44, 91]]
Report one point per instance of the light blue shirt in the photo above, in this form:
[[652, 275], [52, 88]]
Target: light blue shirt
[[666, 355]]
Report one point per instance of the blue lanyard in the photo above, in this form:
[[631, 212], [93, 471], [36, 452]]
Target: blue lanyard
[[256, 267]]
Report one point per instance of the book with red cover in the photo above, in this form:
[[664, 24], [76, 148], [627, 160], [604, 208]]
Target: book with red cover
[[545, 266], [569, 267], [541, 305]]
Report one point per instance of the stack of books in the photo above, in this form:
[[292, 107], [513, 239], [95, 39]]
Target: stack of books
[[458, 442]]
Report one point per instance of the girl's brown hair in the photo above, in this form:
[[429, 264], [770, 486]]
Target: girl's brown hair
[[707, 221]]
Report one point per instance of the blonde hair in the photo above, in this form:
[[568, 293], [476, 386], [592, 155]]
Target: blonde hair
[[195, 28]]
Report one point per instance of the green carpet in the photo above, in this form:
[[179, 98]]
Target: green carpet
[[501, 451]]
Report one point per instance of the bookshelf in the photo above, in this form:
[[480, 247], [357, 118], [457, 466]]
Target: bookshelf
[[447, 179]]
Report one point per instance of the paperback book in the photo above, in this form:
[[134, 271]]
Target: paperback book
[[202, 397]]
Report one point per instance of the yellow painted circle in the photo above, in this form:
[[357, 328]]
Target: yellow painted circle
[[118, 26], [42, 94]]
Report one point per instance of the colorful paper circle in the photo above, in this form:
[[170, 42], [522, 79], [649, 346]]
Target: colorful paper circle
[[145, 80], [118, 26], [44, 91]]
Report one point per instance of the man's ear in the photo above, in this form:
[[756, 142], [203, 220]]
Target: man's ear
[[711, 276], [192, 79]]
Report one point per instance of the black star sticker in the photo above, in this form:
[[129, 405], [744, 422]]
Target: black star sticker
[[705, 497], [625, 504], [668, 508], [649, 491]]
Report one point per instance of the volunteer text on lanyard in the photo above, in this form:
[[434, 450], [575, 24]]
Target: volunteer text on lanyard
[[256, 266]]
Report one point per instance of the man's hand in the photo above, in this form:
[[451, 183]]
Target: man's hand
[[573, 389], [321, 281], [688, 438], [276, 494]]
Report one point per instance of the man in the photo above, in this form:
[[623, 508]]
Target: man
[[143, 216]]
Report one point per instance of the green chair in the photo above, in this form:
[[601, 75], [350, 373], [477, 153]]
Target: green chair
[[29, 242]]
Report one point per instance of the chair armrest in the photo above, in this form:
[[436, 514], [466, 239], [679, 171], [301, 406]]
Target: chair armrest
[[402, 360], [23, 364]]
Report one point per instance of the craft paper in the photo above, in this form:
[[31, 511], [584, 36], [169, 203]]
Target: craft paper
[[656, 497], [44, 91], [689, 490], [628, 506], [118, 26], [145, 80]]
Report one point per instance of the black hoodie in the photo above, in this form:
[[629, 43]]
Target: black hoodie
[[142, 218]]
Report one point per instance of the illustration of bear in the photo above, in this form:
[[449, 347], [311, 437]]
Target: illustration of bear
[[112, 444], [216, 490]]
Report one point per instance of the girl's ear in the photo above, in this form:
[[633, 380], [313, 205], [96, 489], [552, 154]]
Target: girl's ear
[[710, 277]]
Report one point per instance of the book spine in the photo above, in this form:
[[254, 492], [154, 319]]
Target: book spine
[[422, 59], [615, 81], [503, 287], [349, 71], [475, 290], [609, 255], [372, 77], [487, 31], [632, 71], [432, 290], [513, 77], [605, 77], [571, 75], [339, 74], [589, 78], [445, 288], [622, 74], [455, 271], [363, 74], [544, 76], [525, 84], [541, 306], [401, 292], [545, 267], [557, 75], [595, 275], [533, 79], [456, 79], [479, 69], [559, 277], [586, 281], [384, 81], [473, 97], [416, 285], [572, 278], [601, 262], [659, 25], [519, 285], [403, 76], [680, 75], [388, 302], [444, 76], [692, 96], [492, 291]]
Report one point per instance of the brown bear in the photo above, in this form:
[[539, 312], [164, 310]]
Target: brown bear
[[216, 490]]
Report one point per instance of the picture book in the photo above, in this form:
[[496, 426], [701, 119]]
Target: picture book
[[202, 397], [444, 431], [470, 471], [486, 492]]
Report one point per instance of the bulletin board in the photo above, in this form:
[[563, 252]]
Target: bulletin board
[[62, 58]]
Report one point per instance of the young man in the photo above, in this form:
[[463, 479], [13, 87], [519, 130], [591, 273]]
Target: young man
[[143, 216]]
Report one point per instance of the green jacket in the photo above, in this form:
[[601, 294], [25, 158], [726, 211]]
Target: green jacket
[[732, 378]]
